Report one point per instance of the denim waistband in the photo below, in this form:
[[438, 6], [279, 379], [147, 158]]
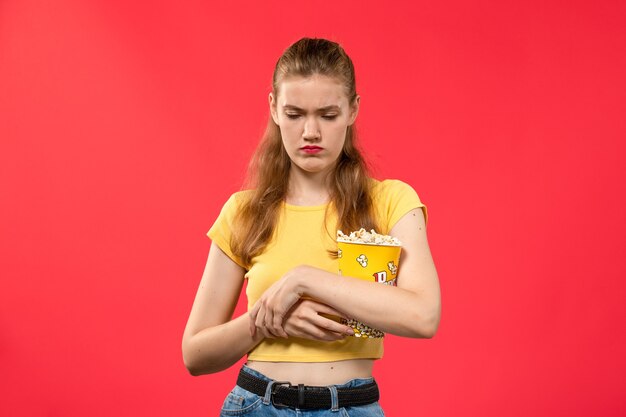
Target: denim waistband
[[363, 398]]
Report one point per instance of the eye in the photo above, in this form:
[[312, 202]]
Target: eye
[[329, 116], [292, 115]]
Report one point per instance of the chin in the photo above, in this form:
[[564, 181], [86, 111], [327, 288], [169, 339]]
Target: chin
[[313, 165], [313, 169]]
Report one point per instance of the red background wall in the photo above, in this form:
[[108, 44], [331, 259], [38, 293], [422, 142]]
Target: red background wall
[[125, 126]]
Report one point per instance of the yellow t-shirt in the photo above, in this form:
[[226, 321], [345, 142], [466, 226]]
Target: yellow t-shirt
[[301, 238]]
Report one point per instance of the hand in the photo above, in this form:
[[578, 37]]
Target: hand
[[268, 313], [304, 320]]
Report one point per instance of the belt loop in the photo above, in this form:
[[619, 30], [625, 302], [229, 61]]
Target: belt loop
[[268, 392], [300, 395], [334, 398]]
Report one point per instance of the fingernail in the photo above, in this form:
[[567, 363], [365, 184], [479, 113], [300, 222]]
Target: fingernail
[[350, 331]]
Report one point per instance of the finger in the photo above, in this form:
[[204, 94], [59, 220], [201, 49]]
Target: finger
[[277, 326], [306, 329], [319, 333], [251, 327], [327, 323], [266, 334], [326, 309], [252, 318], [265, 322], [255, 310], [260, 324], [332, 325]]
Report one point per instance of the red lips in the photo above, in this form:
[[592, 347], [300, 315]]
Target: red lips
[[311, 149]]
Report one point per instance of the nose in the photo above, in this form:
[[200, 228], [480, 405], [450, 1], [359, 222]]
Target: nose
[[311, 130]]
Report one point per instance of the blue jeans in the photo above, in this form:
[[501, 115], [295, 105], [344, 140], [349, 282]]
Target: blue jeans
[[240, 402]]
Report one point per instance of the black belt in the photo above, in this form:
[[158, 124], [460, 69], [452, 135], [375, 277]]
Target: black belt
[[304, 396]]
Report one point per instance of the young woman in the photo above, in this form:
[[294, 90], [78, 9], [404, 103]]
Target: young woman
[[308, 180]]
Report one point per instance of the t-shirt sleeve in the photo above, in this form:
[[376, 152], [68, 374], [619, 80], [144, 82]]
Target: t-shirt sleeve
[[398, 198], [221, 231]]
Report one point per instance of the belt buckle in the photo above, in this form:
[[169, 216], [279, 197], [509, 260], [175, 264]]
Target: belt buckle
[[273, 391]]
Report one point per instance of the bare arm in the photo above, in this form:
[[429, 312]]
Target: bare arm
[[411, 309], [212, 341]]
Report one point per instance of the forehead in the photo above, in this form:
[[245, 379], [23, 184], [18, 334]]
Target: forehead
[[312, 92]]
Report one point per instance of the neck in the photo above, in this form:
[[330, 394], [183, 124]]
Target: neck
[[307, 189]]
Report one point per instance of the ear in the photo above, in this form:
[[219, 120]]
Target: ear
[[354, 110], [272, 102]]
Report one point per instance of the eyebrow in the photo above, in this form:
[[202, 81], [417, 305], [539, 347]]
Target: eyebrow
[[321, 109]]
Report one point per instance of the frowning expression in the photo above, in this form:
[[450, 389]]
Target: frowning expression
[[313, 114]]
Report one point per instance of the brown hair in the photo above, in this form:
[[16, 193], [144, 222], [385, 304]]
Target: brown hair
[[268, 173]]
